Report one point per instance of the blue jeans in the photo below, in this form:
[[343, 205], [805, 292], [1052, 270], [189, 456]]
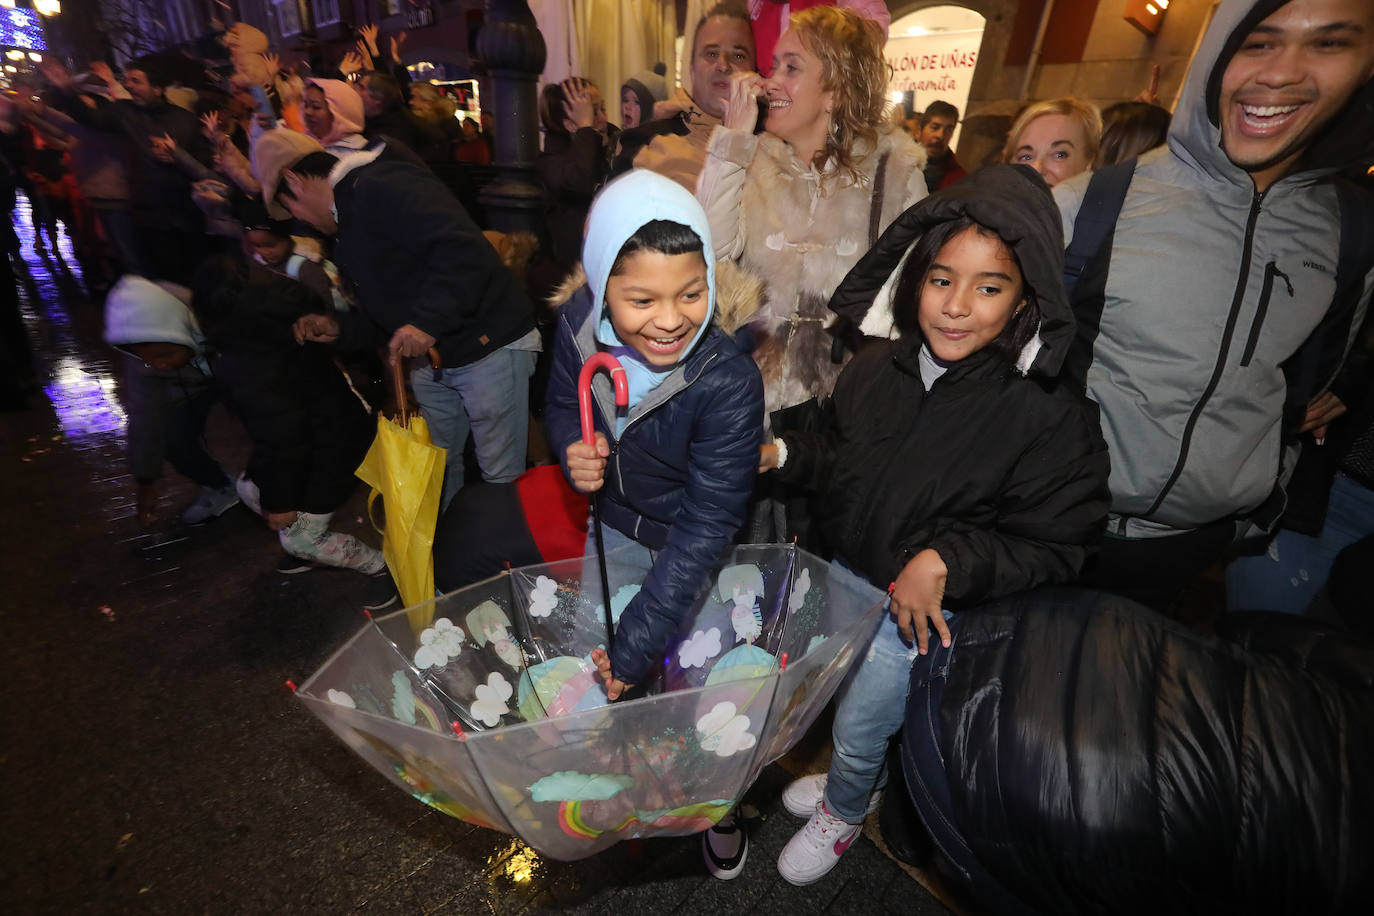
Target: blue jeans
[[491, 399], [871, 709], [1288, 575]]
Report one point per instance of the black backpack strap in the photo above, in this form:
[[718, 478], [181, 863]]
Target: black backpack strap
[[1311, 370], [1088, 259], [1096, 219]]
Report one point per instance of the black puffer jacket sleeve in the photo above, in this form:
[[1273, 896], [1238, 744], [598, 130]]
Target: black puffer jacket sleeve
[[723, 462], [1103, 759]]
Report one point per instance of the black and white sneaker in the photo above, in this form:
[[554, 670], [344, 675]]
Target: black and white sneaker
[[380, 591], [725, 847], [288, 565]]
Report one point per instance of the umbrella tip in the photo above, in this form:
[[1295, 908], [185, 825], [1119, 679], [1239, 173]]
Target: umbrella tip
[[891, 587], [292, 685], [782, 662], [367, 613], [458, 730]]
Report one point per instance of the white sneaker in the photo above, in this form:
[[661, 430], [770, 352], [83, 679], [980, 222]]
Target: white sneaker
[[816, 848], [802, 796]]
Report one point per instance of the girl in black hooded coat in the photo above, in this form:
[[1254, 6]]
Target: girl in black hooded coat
[[309, 429], [951, 465]]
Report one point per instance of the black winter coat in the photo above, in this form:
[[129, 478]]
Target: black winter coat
[[1004, 475], [1103, 759], [413, 256], [572, 168], [309, 429], [160, 191], [679, 476]]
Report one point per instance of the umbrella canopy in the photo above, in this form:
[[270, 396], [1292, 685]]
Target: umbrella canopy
[[494, 713]]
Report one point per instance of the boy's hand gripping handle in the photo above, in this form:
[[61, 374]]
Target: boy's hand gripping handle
[[597, 362], [584, 408]]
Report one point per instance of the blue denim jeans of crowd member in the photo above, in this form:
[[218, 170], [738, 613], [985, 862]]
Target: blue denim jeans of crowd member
[[491, 399], [1294, 567], [871, 709]]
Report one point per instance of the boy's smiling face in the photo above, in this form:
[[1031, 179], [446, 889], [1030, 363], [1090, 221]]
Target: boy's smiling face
[[658, 302]]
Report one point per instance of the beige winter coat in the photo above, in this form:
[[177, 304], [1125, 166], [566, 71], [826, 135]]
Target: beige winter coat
[[800, 231]]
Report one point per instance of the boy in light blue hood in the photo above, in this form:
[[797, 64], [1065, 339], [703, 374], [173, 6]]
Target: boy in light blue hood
[[675, 469], [167, 394]]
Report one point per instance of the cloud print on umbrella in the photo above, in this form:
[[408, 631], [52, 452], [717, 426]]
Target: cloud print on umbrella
[[702, 645], [723, 732], [570, 785], [800, 587], [543, 597], [438, 644], [339, 698], [490, 704]]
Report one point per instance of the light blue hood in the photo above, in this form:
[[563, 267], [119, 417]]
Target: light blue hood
[[618, 212]]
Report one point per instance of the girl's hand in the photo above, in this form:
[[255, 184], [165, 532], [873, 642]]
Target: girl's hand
[[614, 688], [577, 104], [273, 64], [917, 598], [352, 63], [209, 126], [279, 520], [768, 457], [742, 107], [397, 43], [587, 464]]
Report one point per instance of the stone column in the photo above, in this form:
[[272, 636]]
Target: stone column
[[513, 54]]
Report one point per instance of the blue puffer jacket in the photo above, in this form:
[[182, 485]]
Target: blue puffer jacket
[[679, 476]]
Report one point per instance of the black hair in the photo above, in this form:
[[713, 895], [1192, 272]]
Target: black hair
[[906, 300], [153, 71], [661, 235], [1129, 129], [313, 165], [939, 109]]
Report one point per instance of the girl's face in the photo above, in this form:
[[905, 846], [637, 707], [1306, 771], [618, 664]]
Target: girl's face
[[1055, 146], [798, 109], [315, 110], [271, 248], [658, 302], [970, 292], [629, 109]]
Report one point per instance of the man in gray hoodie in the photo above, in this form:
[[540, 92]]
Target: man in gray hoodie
[[1214, 315]]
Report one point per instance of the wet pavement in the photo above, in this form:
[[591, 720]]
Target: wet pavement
[[153, 761]]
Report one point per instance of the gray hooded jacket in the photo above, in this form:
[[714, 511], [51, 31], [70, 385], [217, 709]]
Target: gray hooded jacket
[[1211, 289]]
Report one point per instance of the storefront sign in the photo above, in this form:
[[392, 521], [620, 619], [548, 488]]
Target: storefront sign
[[419, 13], [934, 66]]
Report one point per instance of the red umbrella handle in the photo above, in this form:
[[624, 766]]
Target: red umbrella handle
[[597, 362]]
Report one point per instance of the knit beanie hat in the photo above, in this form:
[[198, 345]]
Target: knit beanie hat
[[273, 153], [649, 86]]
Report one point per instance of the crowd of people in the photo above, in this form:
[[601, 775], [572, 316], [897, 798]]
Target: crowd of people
[[1132, 350]]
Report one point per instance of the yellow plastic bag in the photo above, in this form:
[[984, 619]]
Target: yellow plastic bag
[[406, 469]]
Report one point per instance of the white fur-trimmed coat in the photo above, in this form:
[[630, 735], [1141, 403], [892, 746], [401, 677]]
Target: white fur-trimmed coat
[[799, 231]]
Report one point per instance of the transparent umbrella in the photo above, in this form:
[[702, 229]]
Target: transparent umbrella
[[494, 714]]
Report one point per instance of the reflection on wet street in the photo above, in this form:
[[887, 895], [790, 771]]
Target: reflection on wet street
[[153, 761]]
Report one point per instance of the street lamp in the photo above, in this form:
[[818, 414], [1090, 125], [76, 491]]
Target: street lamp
[[47, 8]]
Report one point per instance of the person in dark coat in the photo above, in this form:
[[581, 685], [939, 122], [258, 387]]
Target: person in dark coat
[[952, 465], [1073, 752], [308, 428], [424, 277], [686, 448], [168, 227], [578, 142]]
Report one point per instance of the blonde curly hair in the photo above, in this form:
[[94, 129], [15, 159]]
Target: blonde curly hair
[[850, 49]]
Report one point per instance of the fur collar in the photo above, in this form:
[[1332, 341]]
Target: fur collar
[[738, 293]]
